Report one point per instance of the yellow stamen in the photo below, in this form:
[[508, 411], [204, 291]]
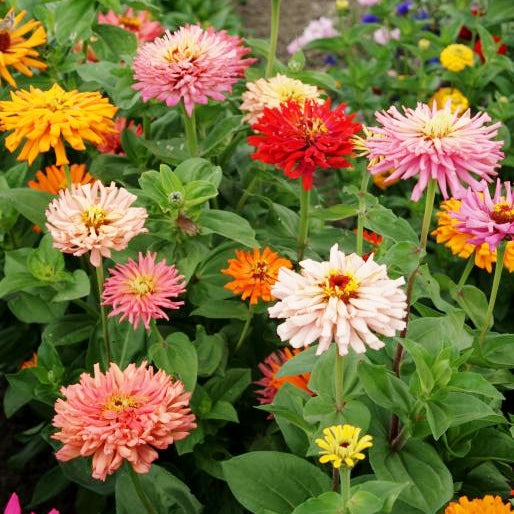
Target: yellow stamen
[[142, 285], [130, 21], [503, 212], [120, 402], [341, 285], [439, 126], [94, 217]]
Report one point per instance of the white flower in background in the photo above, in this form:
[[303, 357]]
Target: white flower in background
[[382, 35], [316, 29]]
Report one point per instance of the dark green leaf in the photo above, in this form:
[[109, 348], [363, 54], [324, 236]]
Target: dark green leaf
[[229, 225], [119, 41], [224, 309], [71, 329], [327, 503], [28, 202]]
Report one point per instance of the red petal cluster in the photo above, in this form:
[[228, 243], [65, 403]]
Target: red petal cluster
[[299, 138]]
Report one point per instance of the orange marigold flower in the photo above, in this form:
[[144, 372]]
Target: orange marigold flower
[[487, 505], [30, 363], [54, 178], [255, 273], [16, 51], [46, 119]]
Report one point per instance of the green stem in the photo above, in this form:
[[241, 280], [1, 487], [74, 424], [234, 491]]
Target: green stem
[[427, 215], [100, 282], [362, 211], [339, 385], [246, 193], [244, 332], [69, 180], [345, 486], [147, 132], [190, 128], [85, 306], [303, 228], [275, 18], [466, 272], [157, 333], [140, 491], [494, 291]]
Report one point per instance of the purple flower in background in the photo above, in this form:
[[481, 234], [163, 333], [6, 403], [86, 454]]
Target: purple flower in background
[[434, 60], [330, 60], [403, 8], [370, 18], [421, 15]]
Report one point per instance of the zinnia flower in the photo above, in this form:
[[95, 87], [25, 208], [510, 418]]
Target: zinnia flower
[[138, 290], [342, 300], [501, 48], [95, 218], [54, 178], [139, 24], [457, 241], [16, 51], [434, 143], [272, 92], [112, 142], [456, 57], [298, 138], [487, 505], [190, 64], [341, 445], [487, 219], [458, 102], [383, 35], [46, 118], [271, 383], [121, 415], [13, 506], [30, 363], [316, 29], [254, 273]]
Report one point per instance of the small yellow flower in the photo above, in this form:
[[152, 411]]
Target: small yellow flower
[[487, 505], [443, 94], [423, 44], [456, 57], [341, 445], [342, 5]]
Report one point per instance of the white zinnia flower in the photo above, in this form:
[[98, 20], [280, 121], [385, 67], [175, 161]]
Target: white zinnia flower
[[344, 300]]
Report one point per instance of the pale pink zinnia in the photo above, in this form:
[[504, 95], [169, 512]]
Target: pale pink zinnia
[[121, 415], [94, 218], [138, 290], [434, 143], [190, 64], [344, 300], [138, 23], [487, 219]]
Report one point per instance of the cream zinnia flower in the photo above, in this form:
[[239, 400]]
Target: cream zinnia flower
[[344, 300]]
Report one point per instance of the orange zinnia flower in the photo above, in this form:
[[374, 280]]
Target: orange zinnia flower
[[30, 363], [255, 273], [54, 178], [486, 505], [15, 50]]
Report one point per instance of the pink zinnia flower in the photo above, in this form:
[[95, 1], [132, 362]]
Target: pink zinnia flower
[[138, 290], [342, 300], [190, 64], [435, 143], [121, 415], [140, 24], [316, 29], [94, 218], [13, 506], [112, 142], [485, 219]]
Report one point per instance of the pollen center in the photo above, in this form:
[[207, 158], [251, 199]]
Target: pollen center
[[259, 270], [94, 217], [503, 212], [314, 127], [120, 402], [131, 22], [439, 126], [142, 285], [185, 52], [5, 41], [341, 285]]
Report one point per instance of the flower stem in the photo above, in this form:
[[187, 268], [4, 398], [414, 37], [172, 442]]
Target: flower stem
[[157, 333], [140, 491], [345, 486], [335, 480], [190, 128], [465, 273], [103, 317], [147, 132], [246, 193], [427, 215], [339, 385], [244, 332], [494, 291], [303, 228], [275, 17], [69, 180], [362, 211]]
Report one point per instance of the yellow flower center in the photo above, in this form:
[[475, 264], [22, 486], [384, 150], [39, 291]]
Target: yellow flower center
[[313, 127], [120, 402], [341, 285], [503, 212], [142, 285], [5, 41], [439, 126], [131, 22], [94, 217], [259, 270], [186, 51]]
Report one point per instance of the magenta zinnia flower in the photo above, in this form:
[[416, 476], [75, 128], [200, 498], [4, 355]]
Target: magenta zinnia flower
[[191, 64], [434, 143], [121, 415], [94, 218], [138, 290], [13, 506], [485, 219]]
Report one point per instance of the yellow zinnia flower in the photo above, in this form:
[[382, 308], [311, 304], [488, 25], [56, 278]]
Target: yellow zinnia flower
[[486, 505], [15, 50], [341, 445], [457, 99], [46, 118], [456, 57]]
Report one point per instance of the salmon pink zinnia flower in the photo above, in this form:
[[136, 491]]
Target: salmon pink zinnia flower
[[94, 218], [190, 64], [138, 290], [344, 300], [140, 23], [434, 143], [298, 138], [121, 415]]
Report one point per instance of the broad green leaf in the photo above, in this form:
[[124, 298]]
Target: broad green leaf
[[33, 309], [210, 350], [70, 329], [49, 485], [273, 480], [403, 258], [222, 411], [497, 349], [335, 212], [197, 168], [15, 282], [229, 225], [323, 410], [229, 386], [118, 40], [473, 302], [198, 192], [467, 381], [219, 134], [78, 287], [326, 503], [383, 221], [224, 309], [385, 492], [31, 203], [491, 444], [301, 363], [79, 471], [73, 21], [126, 341]]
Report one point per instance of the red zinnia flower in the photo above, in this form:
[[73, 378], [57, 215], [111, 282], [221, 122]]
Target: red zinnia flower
[[501, 49], [298, 138]]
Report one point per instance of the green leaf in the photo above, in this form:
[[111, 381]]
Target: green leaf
[[301, 363], [322, 410], [79, 471], [326, 503], [28, 202], [197, 168], [402, 257], [223, 411], [467, 381], [73, 21], [419, 465], [497, 349], [473, 302], [385, 222], [385, 492], [199, 192], [219, 134], [272, 480], [230, 386], [229, 225], [78, 287], [33, 309], [335, 212], [177, 356], [118, 40], [15, 282], [70, 329], [49, 485], [126, 341], [210, 350], [223, 309]]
